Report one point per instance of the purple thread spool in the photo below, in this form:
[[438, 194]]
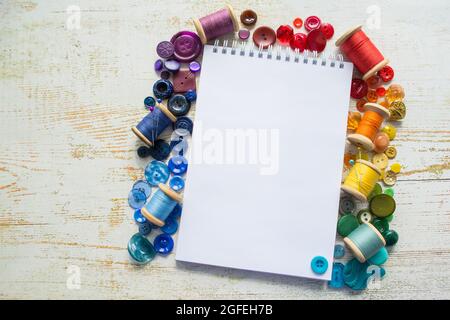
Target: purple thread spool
[[216, 24], [153, 124]]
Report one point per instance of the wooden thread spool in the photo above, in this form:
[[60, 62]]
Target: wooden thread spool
[[365, 241], [369, 126], [361, 179], [362, 52], [161, 205]]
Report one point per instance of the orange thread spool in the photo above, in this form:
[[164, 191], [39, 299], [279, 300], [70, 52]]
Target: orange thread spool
[[362, 52]]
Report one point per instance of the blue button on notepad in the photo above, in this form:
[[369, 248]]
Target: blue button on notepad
[[319, 265]]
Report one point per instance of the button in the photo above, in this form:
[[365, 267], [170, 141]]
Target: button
[[396, 167], [390, 178], [143, 152], [160, 150], [244, 34], [364, 216], [390, 130], [395, 92], [183, 81], [285, 34], [391, 237], [191, 95], [264, 36], [176, 212], [298, 23], [356, 274], [184, 123], [194, 66], [337, 276], [319, 265], [140, 249], [149, 102], [249, 17], [143, 186], [380, 160], [374, 82], [145, 228], [163, 243], [381, 142], [390, 218], [316, 41], [138, 217], [386, 73], [136, 199], [159, 64], [178, 165], [389, 191], [172, 65], [347, 205], [381, 225], [380, 257], [178, 146], [187, 46], [359, 88], [372, 96], [328, 30], [156, 172], [377, 189], [391, 152], [170, 226], [162, 89], [360, 104], [397, 110], [382, 205], [346, 224], [178, 105], [312, 23], [165, 49], [381, 91], [298, 41], [339, 251], [176, 183], [165, 74]]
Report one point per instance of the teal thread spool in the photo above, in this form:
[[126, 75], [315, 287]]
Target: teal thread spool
[[365, 241], [161, 205]]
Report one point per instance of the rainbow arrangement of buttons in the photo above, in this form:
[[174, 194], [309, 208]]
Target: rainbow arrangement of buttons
[[365, 228]]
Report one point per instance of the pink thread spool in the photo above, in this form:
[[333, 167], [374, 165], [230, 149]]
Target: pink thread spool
[[216, 24]]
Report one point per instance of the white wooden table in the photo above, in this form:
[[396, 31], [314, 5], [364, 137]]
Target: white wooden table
[[68, 158]]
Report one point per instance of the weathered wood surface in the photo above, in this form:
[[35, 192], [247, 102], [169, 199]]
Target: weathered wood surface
[[67, 161]]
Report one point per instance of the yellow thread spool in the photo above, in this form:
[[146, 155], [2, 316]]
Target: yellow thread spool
[[361, 179]]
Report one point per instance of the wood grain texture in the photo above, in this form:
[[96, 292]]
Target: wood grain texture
[[67, 160]]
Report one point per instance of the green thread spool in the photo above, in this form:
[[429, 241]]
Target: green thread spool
[[365, 241]]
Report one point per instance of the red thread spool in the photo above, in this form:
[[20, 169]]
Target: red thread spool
[[362, 52]]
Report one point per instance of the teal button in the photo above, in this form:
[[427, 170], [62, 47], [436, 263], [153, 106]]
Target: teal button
[[319, 265]]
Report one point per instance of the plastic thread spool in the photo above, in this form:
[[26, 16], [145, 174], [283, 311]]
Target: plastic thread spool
[[369, 126], [149, 129], [365, 241], [361, 179], [161, 205], [216, 24], [362, 52]]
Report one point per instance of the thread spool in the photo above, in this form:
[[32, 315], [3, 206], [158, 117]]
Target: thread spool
[[362, 52], [149, 129], [361, 179], [161, 205], [216, 24], [365, 241], [369, 126]]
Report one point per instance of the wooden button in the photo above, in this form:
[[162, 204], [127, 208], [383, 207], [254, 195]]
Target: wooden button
[[391, 152], [249, 17]]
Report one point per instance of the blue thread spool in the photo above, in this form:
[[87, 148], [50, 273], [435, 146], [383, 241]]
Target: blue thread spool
[[153, 124], [161, 205], [365, 241]]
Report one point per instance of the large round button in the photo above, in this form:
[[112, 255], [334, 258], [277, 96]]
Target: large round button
[[178, 105], [187, 46], [165, 49], [382, 205], [156, 172], [136, 199], [163, 89], [140, 249], [346, 224], [176, 183], [359, 88], [163, 243], [184, 123], [249, 17], [386, 73], [160, 150], [319, 265], [316, 41], [285, 34], [264, 36], [347, 205], [170, 226], [178, 165], [380, 160], [327, 29], [298, 41], [143, 186], [312, 23]]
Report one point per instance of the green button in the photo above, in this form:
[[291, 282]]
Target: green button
[[382, 225], [389, 191], [390, 218], [347, 224], [376, 191], [382, 205], [364, 216], [391, 237]]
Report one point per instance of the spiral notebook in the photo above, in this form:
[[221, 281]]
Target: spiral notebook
[[263, 186]]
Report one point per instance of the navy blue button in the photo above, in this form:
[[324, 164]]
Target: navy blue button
[[178, 105], [184, 123], [191, 95], [143, 186], [163, 243], [176, 183], [143, 152], [337, 276], [145, 228], [138, 217], [178, 165], [140, 249], [156, 172], [339, 251], [165, 74], [163, 89], [160, 150], [149, 102], [176, 212], [319, 265], [136, 199], [170, 226]]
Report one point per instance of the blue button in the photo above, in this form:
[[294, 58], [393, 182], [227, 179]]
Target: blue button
[[160, 150], [143, 186], [162, 89], [176, 212], [136, 199], [140, 249], [178, 165], [184, 123], [339, 251], [156, 172], [380, 257], [170, 226], [145, 228], [319, 265], [337, 276], [178, 105], [138, 217], [163, 243], [191, 95], [176, 183], [149, 102]]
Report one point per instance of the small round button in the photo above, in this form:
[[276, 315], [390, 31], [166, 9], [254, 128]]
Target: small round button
[[160, 150], [158, 65], [178, 165], [194, 66], [391, 237], [136, 199], [165, 74], [386, 73], [312, 23], [381, 225], [389, 191], [143, 186], [316, 41], [140, 249], [396, 167], [249, 17], [359, 88], [162, 89], [145, 228], [339, 251], [187, 46], [244, 34], [149, 102], [347, 205], [176, 212], [165, 49], [264, 37], [156, 172], [285, 34], [184, 123], [143, 152], [139, 217], [364, 216], [163, 243], [390, 178], [381, 142], [346, 224], [178, 105], [172, 65], [170, 226], [298, 23], [390, 130], [176, 183], [298, 41], [380, 160], [319, 265], [327, 29], [191, 95], [382, 205]]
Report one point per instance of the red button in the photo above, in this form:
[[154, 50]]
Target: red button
[[328, 30], [359, 89], [386, 74], [316, 41], [298, 41], [264, 36], [381, 91], [312, 23], [285, 34], [298, 23]]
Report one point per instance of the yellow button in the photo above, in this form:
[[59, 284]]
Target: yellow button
[[380, 160], [390, 178], [396, 167], [391, 152], [390, 130]]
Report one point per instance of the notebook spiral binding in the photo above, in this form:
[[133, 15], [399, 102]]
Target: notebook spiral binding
[[280, 53]]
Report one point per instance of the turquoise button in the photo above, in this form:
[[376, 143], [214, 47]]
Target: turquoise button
[[356, 274], [339, 251], [140, 249], [337, 276], [319, 265], [380, 257]]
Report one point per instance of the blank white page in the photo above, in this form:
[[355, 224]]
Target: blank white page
[[242, 210]]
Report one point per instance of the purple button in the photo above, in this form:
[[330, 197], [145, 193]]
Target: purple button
[[194, 66], [172, 65], [165, 49], [244, 34], [159, 65], [187, 45], [165, 74]]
